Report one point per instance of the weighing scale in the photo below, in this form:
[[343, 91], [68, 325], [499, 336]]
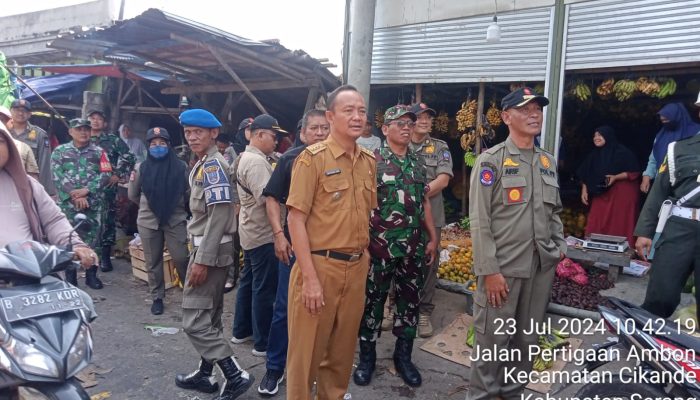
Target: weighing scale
[[597, 241]]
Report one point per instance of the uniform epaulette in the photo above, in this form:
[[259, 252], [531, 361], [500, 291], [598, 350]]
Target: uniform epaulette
[[438, 140], [495, 148], [316, 148], [366, 151]]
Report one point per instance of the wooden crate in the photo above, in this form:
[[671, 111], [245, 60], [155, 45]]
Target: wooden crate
[[138, 266]]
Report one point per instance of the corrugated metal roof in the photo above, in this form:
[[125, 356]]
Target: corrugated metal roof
[[457, 51]]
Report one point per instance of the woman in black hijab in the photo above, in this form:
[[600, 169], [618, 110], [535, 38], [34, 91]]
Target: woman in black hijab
[[609, 176], [159, 187]]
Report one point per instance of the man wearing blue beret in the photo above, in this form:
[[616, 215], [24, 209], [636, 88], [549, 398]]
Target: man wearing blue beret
[[211, 231]]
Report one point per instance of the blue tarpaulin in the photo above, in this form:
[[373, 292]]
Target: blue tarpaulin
[[59, 88]]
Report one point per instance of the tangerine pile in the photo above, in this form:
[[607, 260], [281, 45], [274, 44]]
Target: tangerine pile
[[459, 267]]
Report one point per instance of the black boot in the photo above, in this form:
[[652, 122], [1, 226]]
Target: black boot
[[72, 276], [106, 260], [237, 380], [201, 380], [91, 279], [368, 360], [403, 364]]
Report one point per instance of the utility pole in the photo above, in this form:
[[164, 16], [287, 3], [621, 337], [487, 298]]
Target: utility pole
[[360, 37]]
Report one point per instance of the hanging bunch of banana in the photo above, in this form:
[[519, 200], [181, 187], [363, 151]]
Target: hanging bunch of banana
[[624, 89], [493, 115], [378, 118], [466, 116], [648, 86], [605, 89], [667, 88], [581, 91], [442, 122]]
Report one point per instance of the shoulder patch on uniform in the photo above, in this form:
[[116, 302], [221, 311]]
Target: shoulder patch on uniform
[[446, 155], [316, 148], [367, 152], [217, 188], [105, 165], [486, 176]]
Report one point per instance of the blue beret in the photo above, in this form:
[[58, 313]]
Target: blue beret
[[199, 117]]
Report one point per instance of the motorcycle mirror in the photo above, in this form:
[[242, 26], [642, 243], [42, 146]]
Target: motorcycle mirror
[[78, 220], [79, 217]]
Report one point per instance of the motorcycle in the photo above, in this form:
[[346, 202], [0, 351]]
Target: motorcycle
[[670, 367], [45, 336]]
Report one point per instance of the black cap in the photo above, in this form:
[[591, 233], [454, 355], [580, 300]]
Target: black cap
[[95, 110], [21, 103], [421, 108], [521, 97], [265, 121], [78, 122], [245, 123], [157, 132]]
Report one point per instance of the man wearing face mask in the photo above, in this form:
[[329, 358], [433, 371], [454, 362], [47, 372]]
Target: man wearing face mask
[[159, 186]]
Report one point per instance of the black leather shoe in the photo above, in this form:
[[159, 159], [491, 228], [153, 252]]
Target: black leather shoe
[[106, 260], [368, 360], [72, 276], [157, 307], [402, 361], [201, 379], [91, 279], [238, 381]]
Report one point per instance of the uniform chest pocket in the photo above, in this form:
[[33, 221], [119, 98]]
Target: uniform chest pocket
[[369, 190], [336, 194], [550, 189], [431, 164], [514, 190], [197, 202]]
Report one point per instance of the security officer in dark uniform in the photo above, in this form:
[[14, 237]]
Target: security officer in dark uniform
[[676, 250], [211, 231]]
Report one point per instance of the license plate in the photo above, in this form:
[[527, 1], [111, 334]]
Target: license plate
[[38, 304]]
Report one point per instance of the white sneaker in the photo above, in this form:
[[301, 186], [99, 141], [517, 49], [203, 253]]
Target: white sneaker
[[259, 353], [236, 340]]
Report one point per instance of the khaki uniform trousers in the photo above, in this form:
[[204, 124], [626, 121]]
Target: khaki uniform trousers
[[202, 307], [526, 304], [322, 347], [153, 240]]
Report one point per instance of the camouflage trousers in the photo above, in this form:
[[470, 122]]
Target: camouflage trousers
[[89, 230], [408, 276], [109, 218]]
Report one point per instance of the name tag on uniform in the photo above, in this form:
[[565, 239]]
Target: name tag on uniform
[[332, 172]]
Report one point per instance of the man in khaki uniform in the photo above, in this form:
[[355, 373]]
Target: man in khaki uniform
[[518, 239], [438, 162], [25, 152], [211, 232], [332, 192]]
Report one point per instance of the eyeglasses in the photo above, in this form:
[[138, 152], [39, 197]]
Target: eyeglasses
[[402, 124]]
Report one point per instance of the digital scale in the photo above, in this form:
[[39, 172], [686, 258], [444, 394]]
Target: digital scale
[[597, 241]]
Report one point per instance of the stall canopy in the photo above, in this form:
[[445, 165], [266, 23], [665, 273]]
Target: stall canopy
[[201, 59], [61, 88]]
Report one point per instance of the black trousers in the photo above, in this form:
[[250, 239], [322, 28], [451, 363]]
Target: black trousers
[[677, 255]]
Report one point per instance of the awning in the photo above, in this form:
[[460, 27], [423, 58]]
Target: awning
[[56, 88], [105, 69]]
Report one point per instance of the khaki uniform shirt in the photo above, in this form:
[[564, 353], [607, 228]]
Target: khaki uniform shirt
[[146, 217], [514, 210], [37, 139], [337, 191], [438, 160], [211, 207], [27, 156], [253, 172]]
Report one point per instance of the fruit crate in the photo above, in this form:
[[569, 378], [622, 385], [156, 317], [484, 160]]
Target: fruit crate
[[138, 267]]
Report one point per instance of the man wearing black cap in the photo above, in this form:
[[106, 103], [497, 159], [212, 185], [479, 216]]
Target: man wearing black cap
[[211, 231], [122, 163], [438, 162], [258, 285], [34, 137], [518, 239], [159, 186]]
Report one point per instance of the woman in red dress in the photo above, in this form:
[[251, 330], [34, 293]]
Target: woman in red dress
[[610, 184]]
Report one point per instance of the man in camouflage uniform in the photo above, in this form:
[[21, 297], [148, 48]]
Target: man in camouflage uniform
[[122, 162], [36, 138], [398, 229], [80, 171]]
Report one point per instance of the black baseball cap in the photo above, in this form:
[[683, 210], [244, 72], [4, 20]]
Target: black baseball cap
[[421, 108], [266, 121], [157, 132], [78, 122], [521, 97], [245, 123], [21, 103]]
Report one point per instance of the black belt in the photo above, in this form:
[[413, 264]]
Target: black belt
[[337, 255]]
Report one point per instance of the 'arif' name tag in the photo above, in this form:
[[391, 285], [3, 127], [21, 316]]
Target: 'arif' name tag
[[332, 172]]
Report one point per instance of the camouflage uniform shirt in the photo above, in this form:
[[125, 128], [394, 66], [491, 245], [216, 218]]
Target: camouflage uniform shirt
[[75, 168], [395, 225], [120, 157]]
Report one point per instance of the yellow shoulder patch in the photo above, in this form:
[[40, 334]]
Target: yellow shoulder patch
[[316, 148], [368, 152]]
